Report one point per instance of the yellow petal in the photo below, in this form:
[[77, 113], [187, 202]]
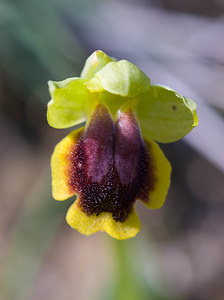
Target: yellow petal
[[87, 225], [60, 165], [161, 170]]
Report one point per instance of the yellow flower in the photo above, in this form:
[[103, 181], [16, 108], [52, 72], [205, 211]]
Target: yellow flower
[[113, 161]]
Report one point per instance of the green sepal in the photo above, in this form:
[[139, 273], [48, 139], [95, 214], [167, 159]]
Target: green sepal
[[165, 115], [67, 106], [120, 78], [96, 61]]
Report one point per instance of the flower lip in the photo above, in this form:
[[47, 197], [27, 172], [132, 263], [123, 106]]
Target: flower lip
[[110, 165]]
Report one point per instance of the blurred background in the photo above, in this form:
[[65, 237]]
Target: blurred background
[[179, 253]]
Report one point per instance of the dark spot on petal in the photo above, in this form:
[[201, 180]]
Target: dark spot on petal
[[97, 146], [127, 147], [147, 174], [110, 166]]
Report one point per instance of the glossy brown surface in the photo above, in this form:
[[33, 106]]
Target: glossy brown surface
[[111, 165]]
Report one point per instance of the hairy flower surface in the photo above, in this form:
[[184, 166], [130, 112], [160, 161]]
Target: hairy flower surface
[[113, 161]]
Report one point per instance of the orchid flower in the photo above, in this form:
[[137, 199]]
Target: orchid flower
[[114, 160]]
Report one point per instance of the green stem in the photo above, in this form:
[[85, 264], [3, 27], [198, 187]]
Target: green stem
[[126, 283]]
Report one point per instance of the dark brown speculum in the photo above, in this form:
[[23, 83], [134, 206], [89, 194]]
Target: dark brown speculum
[[111, 166]]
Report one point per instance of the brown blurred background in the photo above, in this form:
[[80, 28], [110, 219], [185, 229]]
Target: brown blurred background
[[179, 253]]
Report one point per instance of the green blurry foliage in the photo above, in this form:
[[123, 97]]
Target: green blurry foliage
[[37, 44]]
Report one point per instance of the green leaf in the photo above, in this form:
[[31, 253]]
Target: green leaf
[[96, 61], [67, 106], [165, 115], [122, 78]]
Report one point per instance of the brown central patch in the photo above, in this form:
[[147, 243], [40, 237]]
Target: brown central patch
[[110, 166]]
